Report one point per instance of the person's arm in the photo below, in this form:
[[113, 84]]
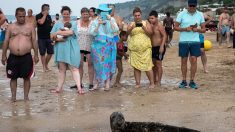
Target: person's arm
[[114, 25], [202, 24], [164, 22], [130, 27], [43, 19], [178, 28], [35, 46], [95, 25], [6, 45], [163, 34], [148, 29]]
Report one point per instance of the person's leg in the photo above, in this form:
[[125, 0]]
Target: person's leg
[[119, 74], [50, 52], [159, 72], [150, 77], [26, 88], [48, 58], [184, 61], [137, 74], [155, 77], [228, 38], [90, 70], [220, 37], [193, 69], [42, 50], [107, 84], [13, 85], [61, 76], [81, 67], [76, 77], [204, 60]]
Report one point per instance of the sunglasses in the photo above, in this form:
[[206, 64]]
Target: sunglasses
[[192, 5]]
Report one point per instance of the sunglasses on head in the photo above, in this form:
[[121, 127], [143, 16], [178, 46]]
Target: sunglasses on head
[[192, 5]]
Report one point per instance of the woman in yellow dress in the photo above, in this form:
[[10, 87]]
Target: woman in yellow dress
[[140, 48]]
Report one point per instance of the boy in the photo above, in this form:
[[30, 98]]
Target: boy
[[158, 46], [120, 54]]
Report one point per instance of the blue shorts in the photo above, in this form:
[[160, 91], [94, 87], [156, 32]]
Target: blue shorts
[[44, 46], [225, 29], [189, 48]]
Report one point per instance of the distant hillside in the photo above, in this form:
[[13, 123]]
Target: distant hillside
[[125, 9]]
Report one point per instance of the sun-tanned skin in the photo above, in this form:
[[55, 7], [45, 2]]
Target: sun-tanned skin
[[20, 39]]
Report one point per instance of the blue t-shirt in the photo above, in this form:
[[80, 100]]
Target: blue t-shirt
[[186, 19]]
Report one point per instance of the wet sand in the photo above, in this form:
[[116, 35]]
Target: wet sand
[[211, 108]]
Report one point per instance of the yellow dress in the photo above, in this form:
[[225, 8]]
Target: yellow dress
[[140, 49]]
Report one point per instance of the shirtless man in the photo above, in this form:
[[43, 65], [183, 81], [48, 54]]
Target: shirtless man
[[224, 27], [158, 46], [118, 20], [30, 18], [2, 18], [168, 23], [20, 39]]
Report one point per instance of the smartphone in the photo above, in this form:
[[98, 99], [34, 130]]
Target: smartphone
[[138, 24], [194, 26]]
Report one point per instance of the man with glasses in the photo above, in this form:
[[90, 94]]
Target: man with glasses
[[187, 23], [44, 24]]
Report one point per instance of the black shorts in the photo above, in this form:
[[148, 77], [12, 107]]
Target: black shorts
[[156, 54], [44, 46], [125, 48], [169, 31], [19, 66], [202, 45], [84, 52]]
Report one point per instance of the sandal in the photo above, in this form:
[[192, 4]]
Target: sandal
[[91, 87]]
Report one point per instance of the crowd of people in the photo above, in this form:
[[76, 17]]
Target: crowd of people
[[99, 38]]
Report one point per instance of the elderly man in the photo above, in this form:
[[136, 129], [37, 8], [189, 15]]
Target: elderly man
[[187, 23], [20, 39]]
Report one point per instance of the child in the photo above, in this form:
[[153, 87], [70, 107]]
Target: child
[[67, 26], [120, 53]]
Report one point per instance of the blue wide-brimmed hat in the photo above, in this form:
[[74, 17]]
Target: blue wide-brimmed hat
[[104, 7], [192, 2]]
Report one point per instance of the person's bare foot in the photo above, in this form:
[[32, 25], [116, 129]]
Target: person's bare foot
[[137, 86], [26, 99], [151, 86], [13, 99], [55, 90]]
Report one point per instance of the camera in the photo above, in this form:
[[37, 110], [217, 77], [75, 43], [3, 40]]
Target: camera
[[138, 24]]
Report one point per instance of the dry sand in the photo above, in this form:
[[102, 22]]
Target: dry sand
[[211, 108]]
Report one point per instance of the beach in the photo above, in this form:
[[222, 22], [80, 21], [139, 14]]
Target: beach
[[211, 108]]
